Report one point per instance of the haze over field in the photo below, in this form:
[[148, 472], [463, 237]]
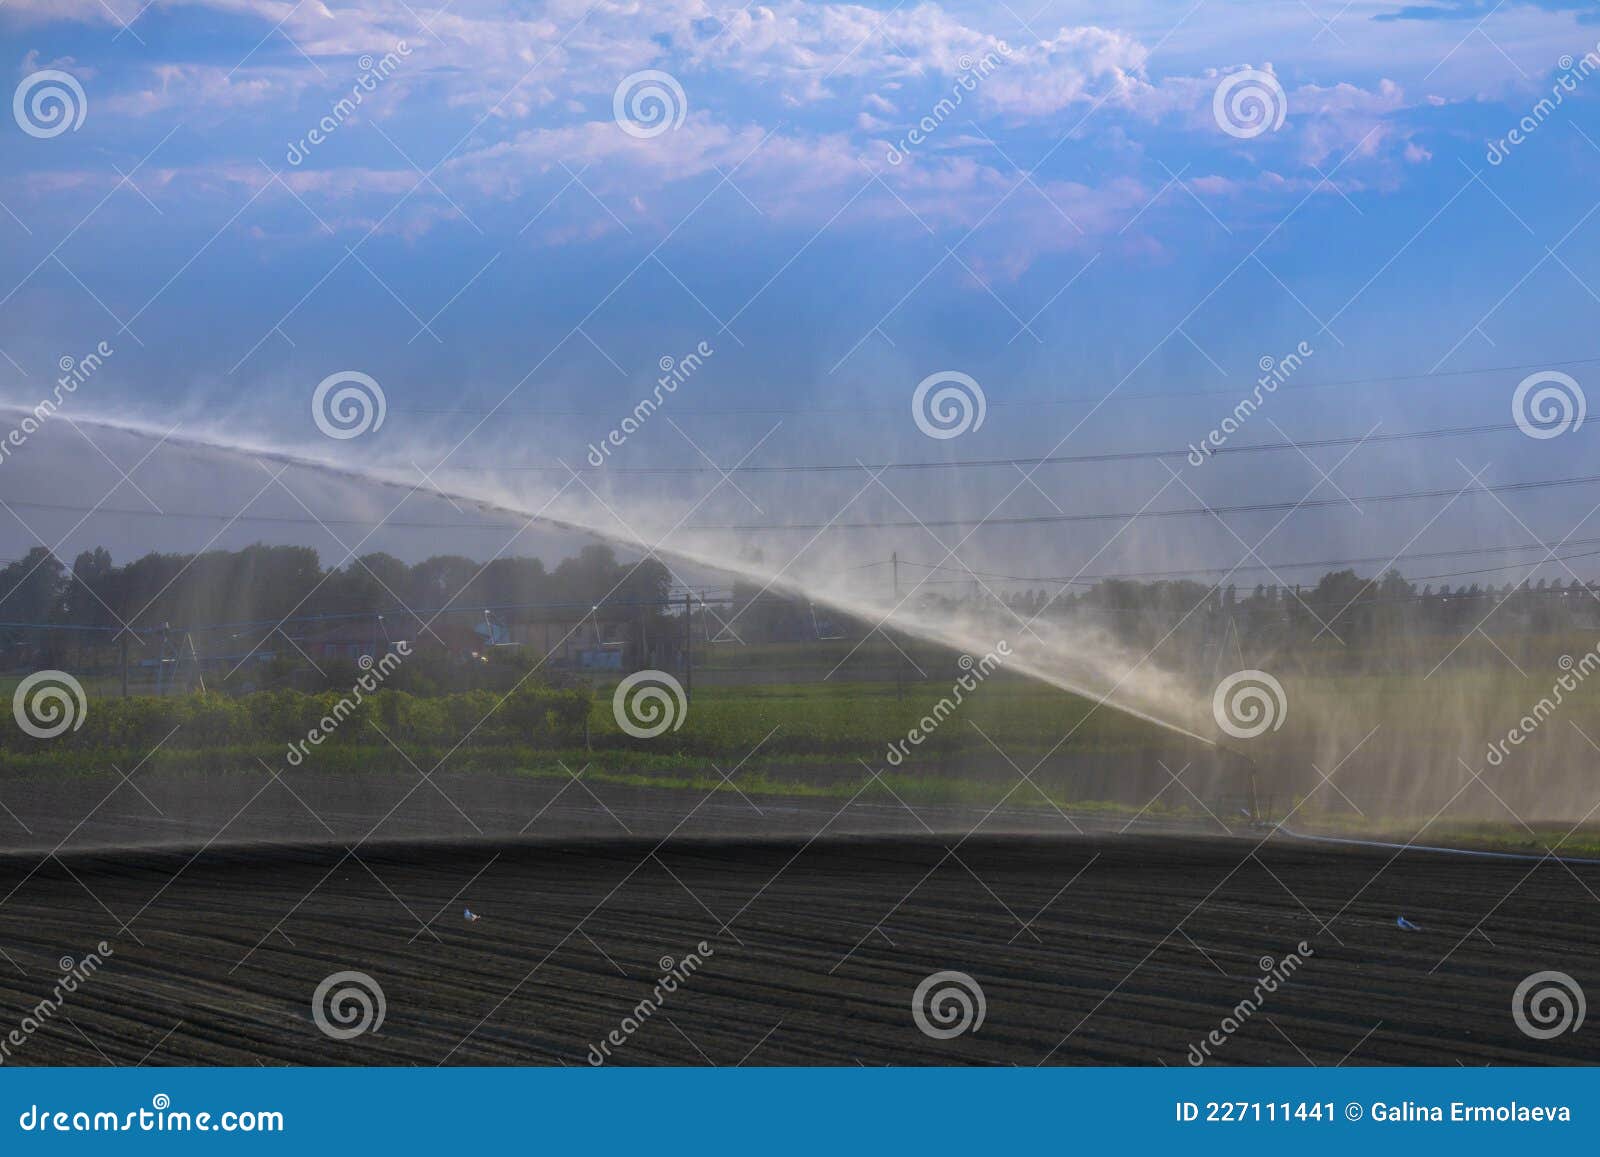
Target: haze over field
[[923, 315]]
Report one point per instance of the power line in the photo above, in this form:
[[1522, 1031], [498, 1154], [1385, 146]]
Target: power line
[[1132, 516], [1020, 403], [286, 519], [1422, 578], [912, 524], [977, 463]]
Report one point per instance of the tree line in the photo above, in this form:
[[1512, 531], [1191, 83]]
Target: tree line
[[1370, 612], [270, 583]]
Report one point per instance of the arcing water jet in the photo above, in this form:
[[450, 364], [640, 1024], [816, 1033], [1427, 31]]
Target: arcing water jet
[[1079, 659]]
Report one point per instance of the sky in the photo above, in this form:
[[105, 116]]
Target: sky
[[1104, 218]]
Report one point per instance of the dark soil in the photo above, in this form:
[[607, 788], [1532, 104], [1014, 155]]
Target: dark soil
[[1098, 949]]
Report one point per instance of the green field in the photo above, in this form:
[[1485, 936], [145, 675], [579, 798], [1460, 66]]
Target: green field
[[805, 726], [824, 738]]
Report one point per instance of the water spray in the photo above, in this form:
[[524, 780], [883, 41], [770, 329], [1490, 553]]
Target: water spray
[[941, 634]]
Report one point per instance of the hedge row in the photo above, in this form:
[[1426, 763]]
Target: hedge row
[[539, 716]]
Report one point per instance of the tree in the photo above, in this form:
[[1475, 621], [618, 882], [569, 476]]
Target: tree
[[91, 597]]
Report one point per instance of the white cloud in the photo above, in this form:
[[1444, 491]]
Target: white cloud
[[201, 89], [1078, 64], [792, 98]]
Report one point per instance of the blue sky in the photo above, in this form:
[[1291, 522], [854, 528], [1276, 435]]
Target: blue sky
[[483, 232]]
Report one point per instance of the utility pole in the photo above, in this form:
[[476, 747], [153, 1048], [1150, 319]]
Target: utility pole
[[199, 670], [688, 646], [124, 664], [899, 662], [161, 667]]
